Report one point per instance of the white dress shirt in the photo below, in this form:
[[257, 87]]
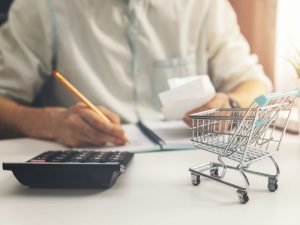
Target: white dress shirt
[[120, 53]]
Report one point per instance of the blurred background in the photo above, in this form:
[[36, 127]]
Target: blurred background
[[270, 26]]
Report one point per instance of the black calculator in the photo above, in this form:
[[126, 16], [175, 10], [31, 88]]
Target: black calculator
[[71, 169]]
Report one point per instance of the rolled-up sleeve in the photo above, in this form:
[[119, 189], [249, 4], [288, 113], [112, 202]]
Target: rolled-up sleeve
[[25, 52], [230, 61]]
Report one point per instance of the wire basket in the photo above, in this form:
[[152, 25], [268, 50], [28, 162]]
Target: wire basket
[[244, 136]]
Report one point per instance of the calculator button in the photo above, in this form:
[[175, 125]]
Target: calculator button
[[99, 157], [81, 156], [44, 156], [120, 157], [62, 156], [77, 156]]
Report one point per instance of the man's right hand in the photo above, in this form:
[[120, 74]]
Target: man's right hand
[[79, 126]]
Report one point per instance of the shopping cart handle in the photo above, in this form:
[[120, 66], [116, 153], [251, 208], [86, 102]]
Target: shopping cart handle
[[263, 100]]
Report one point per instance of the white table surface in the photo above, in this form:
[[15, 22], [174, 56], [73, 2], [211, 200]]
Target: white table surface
[[156, 189]]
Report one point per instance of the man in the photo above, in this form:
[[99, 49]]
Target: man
[[119, 54]]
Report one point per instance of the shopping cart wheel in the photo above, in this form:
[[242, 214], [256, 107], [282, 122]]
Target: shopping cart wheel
[[195, 179], [243, 196], [272, 184], [214, 172]]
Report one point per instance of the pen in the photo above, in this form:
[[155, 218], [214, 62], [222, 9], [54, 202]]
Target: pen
[[81, 97], [150, 134]]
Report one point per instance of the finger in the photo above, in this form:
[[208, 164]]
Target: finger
[[187, 120], [97, 145], [91, 135], [93, 120], [79, 144], [74, 140], [111, 129], [75, 136], [98, 138], [205, 107], [216, 102], [113, 117]]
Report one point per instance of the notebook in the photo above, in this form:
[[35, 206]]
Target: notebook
[[176, 135]]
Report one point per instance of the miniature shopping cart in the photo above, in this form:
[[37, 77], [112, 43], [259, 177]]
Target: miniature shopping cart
[[242, 136]]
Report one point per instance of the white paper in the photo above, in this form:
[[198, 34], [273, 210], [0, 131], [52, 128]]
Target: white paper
[[179, 81], [293, 124], [185, 95]]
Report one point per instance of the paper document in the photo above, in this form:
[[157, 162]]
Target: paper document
[[185, 94], [293, 124], [176, 134]]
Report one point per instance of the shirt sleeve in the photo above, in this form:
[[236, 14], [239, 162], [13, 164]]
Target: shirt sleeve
[[230, 62], [25, 52]]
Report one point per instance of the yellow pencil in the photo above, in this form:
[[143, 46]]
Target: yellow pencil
[[80, 96], [83, 99]]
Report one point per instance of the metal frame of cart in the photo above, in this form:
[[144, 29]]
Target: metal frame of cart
[[243, 136]]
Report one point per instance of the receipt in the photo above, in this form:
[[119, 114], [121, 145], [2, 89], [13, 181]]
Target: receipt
[[185, 94]]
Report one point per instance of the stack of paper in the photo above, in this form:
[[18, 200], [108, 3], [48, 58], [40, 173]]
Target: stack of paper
[[186, 94]]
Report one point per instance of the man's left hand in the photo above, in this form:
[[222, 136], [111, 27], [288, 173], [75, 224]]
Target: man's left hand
[[220, 100]]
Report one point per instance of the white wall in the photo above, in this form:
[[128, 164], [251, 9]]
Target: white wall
[[287, 39]]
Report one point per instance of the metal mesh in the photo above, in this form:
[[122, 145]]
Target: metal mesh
[[243, 135]]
